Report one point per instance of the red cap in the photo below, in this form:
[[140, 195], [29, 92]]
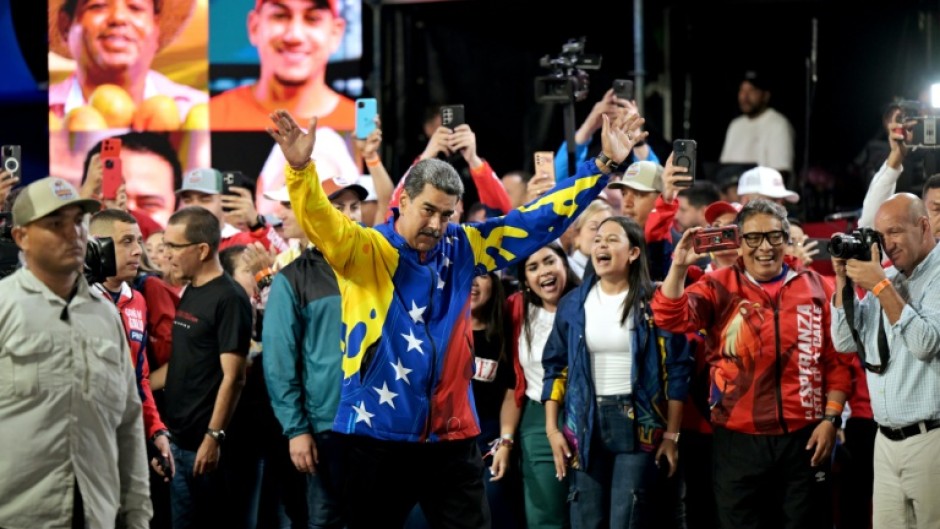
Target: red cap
[[717, 209], [323, 4]]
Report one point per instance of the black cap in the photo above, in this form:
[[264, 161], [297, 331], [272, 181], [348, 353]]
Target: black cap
[[759, 80]]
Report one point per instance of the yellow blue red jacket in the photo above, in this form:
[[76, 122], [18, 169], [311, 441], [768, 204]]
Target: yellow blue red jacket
[[406, 335]]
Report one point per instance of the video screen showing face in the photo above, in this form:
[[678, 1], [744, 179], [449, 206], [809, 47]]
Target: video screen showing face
[[128, 65], [299, 55]]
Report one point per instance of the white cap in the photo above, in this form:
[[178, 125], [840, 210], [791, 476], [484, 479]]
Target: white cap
[[278, 195], [366, 182], [766, 182]]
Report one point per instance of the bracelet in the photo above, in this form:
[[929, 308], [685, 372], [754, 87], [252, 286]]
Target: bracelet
[[835, 406], [373, 162], [883, 284], [158, 433], [551, 433]]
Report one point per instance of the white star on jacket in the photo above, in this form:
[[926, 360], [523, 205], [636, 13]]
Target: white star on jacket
[[440, 283], [401, 372], [385, 395], [413, 341], [416, 312], [446, 261], [362, 415]]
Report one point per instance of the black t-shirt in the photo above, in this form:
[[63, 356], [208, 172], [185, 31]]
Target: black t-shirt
[[492, 378], [210, 320]]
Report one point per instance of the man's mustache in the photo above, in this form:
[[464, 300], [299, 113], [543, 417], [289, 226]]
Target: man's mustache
[[431, 233]]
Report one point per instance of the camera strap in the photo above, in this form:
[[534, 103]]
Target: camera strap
[[848, 303]]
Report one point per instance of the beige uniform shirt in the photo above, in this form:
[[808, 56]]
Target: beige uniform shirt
[[69, 410]]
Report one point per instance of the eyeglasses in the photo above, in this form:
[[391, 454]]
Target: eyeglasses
[[775, 238], [169, 246]]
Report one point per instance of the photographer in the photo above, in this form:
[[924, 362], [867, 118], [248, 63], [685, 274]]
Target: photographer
[[772, 371], [72, 428], [898, 333]]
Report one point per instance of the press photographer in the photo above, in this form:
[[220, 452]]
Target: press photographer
[[896, 330], [74, 448]]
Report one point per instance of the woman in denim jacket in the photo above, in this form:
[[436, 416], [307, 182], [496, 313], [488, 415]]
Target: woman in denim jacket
[[623, 383]]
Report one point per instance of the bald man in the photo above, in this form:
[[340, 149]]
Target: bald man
[[898, 326]]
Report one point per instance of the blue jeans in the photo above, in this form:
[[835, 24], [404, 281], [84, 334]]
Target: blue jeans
[[227, 497], [614, 490]]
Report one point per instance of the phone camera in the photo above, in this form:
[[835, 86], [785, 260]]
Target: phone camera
[[362, 105], [11, 165], [109, 164]]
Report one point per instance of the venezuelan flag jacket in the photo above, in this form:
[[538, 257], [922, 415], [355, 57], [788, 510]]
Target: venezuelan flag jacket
[[406, 332]]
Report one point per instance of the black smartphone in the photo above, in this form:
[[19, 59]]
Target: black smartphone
[[232, 179], [10, 155], [623, 88], [683, 155], [452, 116]]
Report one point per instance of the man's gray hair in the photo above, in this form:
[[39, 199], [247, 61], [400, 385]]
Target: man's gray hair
[[762, 206], [438, 173]]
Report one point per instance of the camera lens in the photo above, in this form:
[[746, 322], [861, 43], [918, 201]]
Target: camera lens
[[109, 164], [362, 105], [11, 165]]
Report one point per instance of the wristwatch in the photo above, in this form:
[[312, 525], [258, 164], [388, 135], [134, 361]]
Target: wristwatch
[[836, 420], [608, 162], [218, 435], [158, 433], [672, 436]]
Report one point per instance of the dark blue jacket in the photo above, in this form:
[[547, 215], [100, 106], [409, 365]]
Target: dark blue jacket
[[662, 364]]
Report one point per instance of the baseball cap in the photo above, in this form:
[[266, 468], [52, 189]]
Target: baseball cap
[[204, 180], [321, 4], [642, 176], [759, 80], [366, 182], [767, 182], [330, 186], [45, 196], [717, 209]]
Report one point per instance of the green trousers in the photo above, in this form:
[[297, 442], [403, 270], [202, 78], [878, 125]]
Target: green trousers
[[546, 498]]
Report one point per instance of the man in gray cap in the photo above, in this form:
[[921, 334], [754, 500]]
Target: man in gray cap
[[641, 185], [72, 432]]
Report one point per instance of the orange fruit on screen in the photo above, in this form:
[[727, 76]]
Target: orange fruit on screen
[[197, 118], [55, 122], [85, 118], [114, 104], [157, 113]]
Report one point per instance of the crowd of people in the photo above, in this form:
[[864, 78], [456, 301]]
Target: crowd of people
[[565, 353]]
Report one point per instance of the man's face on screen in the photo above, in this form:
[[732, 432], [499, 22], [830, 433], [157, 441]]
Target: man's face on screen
[[113, 36], [295, 39]]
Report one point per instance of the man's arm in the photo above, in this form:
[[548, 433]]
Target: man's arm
[[885, 180], [490, 188], [233, 380], [917, 327], [499, 242], [282, 334], [339, 238]]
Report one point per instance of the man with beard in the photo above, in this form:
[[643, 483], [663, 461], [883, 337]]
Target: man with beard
[[760, 135]]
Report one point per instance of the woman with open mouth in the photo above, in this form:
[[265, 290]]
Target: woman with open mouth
[[545, 277], [622, 381]]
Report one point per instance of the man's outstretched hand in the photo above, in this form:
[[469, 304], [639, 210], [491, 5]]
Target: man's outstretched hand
[[296, 144]]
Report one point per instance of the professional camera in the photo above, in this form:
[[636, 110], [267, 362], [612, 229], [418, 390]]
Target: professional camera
[[855, 245], [568, 81], [926, 124], [9, 251], [100, 259]]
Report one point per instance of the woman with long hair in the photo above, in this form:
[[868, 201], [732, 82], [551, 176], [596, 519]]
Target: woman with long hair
[[544, 277], [622, 381]]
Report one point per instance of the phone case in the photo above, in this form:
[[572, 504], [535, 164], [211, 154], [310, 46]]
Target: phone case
[[683, 155], [110, 148], [11, 160], [623, 88], [452, 116], [716, 239], [366, 111], [545, 163], [112, 178]]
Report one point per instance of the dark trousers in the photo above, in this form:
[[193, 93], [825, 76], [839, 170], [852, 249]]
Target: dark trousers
[[385, 479], [766, 481], [695, 464], [857, 474]]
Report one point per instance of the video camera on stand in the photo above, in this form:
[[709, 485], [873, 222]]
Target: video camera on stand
[[568, 81]]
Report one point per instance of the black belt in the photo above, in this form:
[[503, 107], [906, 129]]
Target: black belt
[[900, 434]]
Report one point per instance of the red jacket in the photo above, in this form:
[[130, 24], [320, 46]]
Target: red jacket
[[133, 309], [161, 310], [514, 307], [772, 361]]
